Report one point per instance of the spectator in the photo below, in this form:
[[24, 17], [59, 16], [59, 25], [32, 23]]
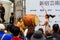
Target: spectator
[[3, 35], [30, 33], [38, 36], [40, 29], [55, 32], [2, 12], [9, 28], [55, 35], [48, 35], [55, 28], [12, 18], [16, 34]]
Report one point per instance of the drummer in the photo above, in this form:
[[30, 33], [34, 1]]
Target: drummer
[[46, 23], [20, 24]]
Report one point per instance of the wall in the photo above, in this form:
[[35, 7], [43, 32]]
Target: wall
[[7, 6]]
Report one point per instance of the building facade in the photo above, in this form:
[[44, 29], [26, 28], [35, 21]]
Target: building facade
[[20, 8]]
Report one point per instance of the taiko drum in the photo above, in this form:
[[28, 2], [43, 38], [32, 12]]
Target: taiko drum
[[31, 19]]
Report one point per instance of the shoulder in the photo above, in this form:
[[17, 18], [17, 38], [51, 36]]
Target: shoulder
[[8, 36], [16, 39]]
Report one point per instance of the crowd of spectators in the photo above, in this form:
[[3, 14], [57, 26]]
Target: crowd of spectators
[[12, 32]]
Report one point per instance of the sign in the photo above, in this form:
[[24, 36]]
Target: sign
[[38, 7]]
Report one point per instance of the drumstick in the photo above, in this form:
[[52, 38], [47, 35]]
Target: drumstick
[[46, 14], [45, 10]]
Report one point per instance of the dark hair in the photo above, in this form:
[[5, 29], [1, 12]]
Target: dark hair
[[47, 15], [16, 31], [55, 27], [12, 13], [52, 16], [40, 29], [48, 33], [9, 27], [19, 18]]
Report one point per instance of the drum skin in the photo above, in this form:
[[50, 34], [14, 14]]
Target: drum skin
[[31, 19]]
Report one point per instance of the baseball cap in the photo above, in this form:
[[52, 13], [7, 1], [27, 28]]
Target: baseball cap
[[2, 27]]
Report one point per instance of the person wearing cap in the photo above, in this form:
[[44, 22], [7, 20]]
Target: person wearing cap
[[2, 12], [38, 36], [3, 35]]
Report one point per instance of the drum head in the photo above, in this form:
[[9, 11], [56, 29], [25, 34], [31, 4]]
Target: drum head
[[36, 20]]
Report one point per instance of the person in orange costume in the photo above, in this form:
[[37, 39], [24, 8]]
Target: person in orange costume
[[20, 24]]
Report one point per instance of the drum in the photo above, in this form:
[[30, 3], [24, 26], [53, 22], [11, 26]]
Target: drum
[[31, 19]]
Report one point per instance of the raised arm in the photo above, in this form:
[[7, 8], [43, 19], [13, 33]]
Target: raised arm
[[46, 12]]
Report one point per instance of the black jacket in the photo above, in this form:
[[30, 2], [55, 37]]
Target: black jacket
[[11, 19], [2, 10]]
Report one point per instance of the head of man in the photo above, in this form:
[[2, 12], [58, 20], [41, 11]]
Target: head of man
[[55, 27], [2, 27]]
